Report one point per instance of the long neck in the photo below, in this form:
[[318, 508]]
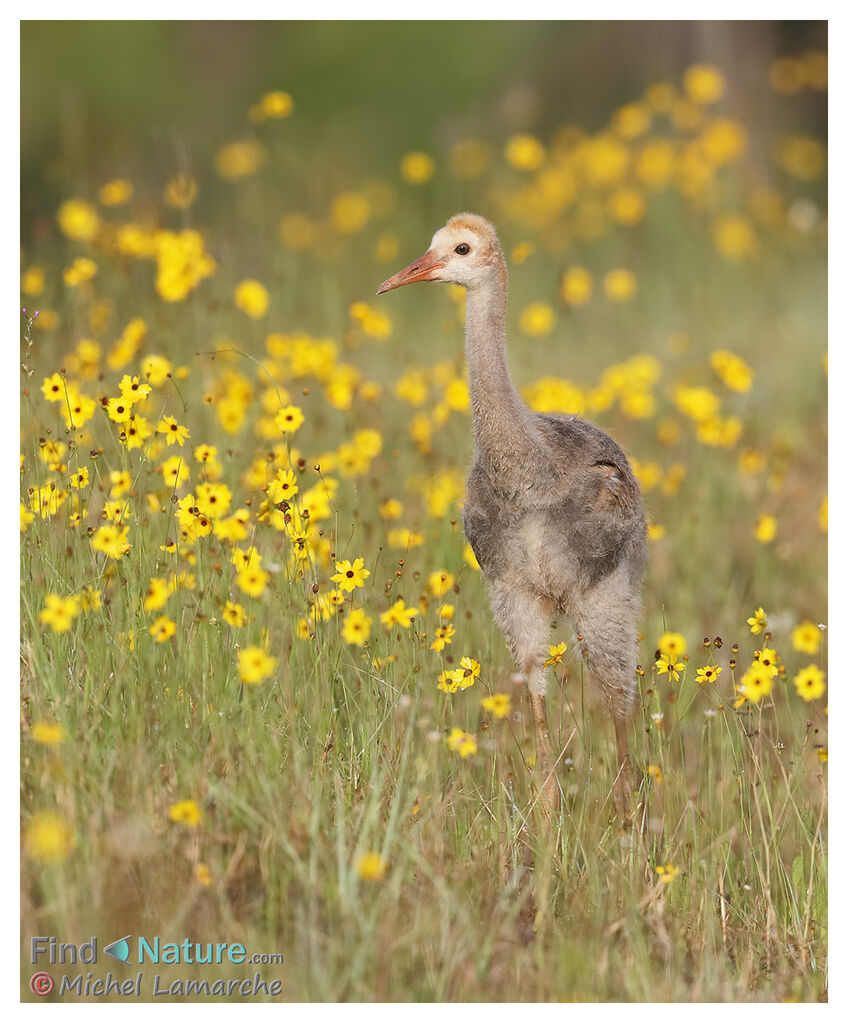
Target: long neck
[[503, 429]]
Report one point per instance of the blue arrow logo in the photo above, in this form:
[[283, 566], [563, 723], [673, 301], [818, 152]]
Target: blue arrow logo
[[119, 950]]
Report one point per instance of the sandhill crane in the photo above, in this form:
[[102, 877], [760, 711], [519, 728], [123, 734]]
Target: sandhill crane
[[552, 509]]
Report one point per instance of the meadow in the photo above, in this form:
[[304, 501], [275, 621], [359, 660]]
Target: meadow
[[263, 700]]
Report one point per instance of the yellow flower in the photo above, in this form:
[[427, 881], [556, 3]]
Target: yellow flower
[[181, 264], [469, 159], [467, 673], [734, 236], [525, 153], [48, 734], [627, 206], [356, 627], [173, 431], [289, 419], [768, 659], [252, 298], [239, 159], [374, 322], [462, 743], [734, 372], [59, 612], [132, 389], [255, 665], [620, 285], [754, 684], [703, 83], [32, 281], [157, 594], [274, 105], [203, 875], [673, 644], [440, 583], [722, 142], [655, 772], [399, 614], [655, 163], [786, 75], [371, 866], [49, 838], [448, 681], [469, 557], [116, 193], [349, 575], [814, 69], [81, 270], [668, 665], [349, 212], [387, 248], [174, 471], [213, 499], [411, 388], [416, 168], [555, 655], [604, 159], [78, 220], [54, 387], [709, 673], [252, 580], [537, 320], [803, 157], [766, 529], [283, 486], [26, 518], [806, 637], [79, 479], [162, 629], [128, 344], [444, 637], [632, 120], [809, 683], [234, 614], [404, 539], [186, 812], [758, 621], [119, 410], [667, 873], [497, 704]]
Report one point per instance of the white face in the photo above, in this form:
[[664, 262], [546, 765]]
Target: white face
[[458, 254], [464, 256]]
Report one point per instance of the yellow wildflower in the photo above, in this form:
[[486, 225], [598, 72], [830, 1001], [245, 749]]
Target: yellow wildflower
[[186, 812]]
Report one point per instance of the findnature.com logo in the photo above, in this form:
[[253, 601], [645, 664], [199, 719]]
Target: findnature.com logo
[[141, 951]]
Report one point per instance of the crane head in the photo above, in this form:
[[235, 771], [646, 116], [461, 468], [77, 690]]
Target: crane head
[[465, 251]]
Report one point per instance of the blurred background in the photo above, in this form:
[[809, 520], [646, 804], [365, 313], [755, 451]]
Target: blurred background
[[660, 190], [103, 98]]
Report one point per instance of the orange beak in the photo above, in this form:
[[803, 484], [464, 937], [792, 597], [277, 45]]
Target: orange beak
[[421, 270]]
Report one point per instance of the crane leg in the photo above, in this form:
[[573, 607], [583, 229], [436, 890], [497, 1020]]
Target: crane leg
[[623, 785], [545, 760]]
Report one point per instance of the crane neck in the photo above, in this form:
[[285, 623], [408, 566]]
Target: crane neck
[[503, 429]]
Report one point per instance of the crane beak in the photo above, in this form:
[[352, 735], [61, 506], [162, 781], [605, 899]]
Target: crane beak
[[421, 270]]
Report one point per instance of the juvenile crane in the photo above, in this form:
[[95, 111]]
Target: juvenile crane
[[552, 509]]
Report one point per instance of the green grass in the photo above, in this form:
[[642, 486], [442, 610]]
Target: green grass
[[334, 757]]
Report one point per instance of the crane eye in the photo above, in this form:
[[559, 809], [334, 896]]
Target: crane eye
[[462, 250]]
